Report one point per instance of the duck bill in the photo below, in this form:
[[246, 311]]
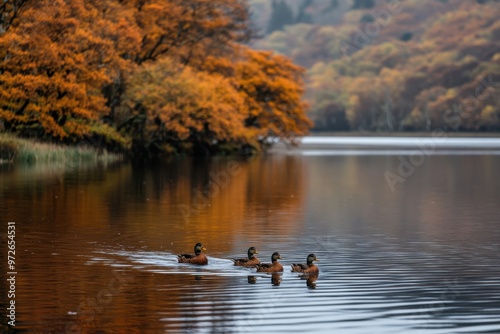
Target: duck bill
[[203, 248]]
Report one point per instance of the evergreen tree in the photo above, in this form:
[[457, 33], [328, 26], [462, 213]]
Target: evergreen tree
[[281, 16], [363, 4], [303, 16], [333, 5]]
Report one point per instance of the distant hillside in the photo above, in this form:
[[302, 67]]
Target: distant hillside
[[414, 65]]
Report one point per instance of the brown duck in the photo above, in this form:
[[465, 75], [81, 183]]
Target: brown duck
[[273, 267], [251, 261], [197, 258], [309, 268]]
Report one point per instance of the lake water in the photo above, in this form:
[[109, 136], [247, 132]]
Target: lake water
[[408, 241]]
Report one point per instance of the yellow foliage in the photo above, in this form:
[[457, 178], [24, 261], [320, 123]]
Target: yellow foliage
[[182, 104], [352, 107], [489, 116]]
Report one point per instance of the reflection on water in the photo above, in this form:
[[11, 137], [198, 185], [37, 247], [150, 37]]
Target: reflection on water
[[96, 248]]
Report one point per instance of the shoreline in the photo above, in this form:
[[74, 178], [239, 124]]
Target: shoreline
[[15, 150], [391, 145]]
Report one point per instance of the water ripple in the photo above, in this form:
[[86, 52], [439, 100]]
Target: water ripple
[[391, 289]]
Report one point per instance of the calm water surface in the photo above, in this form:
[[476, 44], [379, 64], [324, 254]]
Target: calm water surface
[[96, 247]]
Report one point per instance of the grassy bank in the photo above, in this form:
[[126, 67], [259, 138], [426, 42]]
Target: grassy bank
[[27, 151]]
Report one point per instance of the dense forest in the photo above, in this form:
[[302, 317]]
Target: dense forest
[[189, 76], [144, 76], [389, 65]]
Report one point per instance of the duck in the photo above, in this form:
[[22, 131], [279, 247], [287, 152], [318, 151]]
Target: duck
[[309, 268], [197, 258], [273, 267], [251, 261]]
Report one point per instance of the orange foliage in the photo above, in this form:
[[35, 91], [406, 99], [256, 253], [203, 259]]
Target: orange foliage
[[178, 104], [9, 10], [272, 86], [240, 103], [190, 29], [55, 63], [150, 69]]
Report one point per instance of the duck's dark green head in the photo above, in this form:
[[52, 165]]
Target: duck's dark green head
[[198, 248], [311, 258], [275, 257], [251, 252]]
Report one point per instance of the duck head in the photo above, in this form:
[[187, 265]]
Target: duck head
[[198, 248], [251, 252], [275, 257], [311, 258]]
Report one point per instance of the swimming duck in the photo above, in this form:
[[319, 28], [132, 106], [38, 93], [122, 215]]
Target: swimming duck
[[197, 258], [251, 261], [273, 267], [309, 268]]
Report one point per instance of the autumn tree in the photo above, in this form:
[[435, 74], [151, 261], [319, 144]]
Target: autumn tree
[[56, 60], [9, 11], [220, 95], [186, 31], [164, 75], [190, 29], [170, 107], [272, 87]]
